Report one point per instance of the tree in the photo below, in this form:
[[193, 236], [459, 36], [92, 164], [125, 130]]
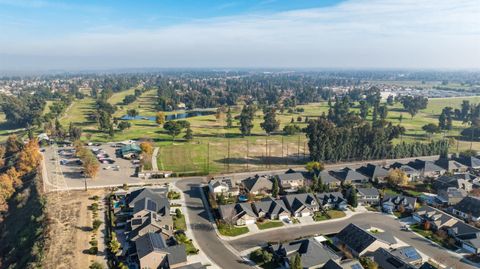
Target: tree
[[74, 132], [352, 197], [390, 100], [132, 113], [275, 188], [363, 109], [413, 104], [90, 165], [261, 256], [291, 129], [114, 245], [246, 120], [173, 128], [29, 158], [314, 166], [188, 134], [13, 145], [96, 265], [123, 125], [160, 118], [229, 118], [431, 128], [397, 177], [296, 262], [269, 123], [147, 147], [383, 112]]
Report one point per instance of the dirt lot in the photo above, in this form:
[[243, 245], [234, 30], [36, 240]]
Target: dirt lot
[[69, 230]]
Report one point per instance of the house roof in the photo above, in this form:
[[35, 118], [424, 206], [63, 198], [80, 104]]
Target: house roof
[[387, 260], [270, 206], [291, 176], [299, 201], [469, 205], [405, 168], [449, 165], [356, 238], [237, 211], [406, 201], [327, 178], [330, 197], [346, 264], [407, 254], [438, 217], [130, 148], [426, 166], [225, 181], [150, 223], [373, 171], [197, 265], [152, 242], [444, 182], [472, 162], [368, 191], [451, 193], [347, 174], [312, 253], [157, 195], [427, 265], [257, 183]]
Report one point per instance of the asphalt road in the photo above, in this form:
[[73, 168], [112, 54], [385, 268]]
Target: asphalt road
[[203, 230], [378, 220]]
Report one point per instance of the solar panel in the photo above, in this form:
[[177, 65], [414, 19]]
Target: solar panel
[[356, 266], [412, 254]]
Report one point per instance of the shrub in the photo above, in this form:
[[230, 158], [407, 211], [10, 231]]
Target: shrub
[[96, 224]]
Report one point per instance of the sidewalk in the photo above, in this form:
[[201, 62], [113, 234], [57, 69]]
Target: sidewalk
[[154, 159], [200, 257]]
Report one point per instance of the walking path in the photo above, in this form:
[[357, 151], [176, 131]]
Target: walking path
[[154, 159]]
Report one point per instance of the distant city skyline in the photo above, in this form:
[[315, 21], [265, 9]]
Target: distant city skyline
[[350, 34]]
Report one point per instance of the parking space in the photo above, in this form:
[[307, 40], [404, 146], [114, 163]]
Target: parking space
[[113, 170]]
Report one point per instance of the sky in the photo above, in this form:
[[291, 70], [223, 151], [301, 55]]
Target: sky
[[348, 34]]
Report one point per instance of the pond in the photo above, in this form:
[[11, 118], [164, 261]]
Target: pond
[[176, 116]]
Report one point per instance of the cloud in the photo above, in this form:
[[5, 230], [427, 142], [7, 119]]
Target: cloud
[[353, 34]]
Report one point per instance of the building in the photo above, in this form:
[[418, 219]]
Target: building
[[156, 194], [223, 185], [408, 254], [451, 165], [271, 209], [451, 196], [153, 252], [149, 223], [350, 176], [437, 218], [345, 264], [329, 180], [291, 182], [257, 184], [444, 182], [410, 172], [361, 242], [130, 151], [387, 260], [313, 254], [332, 200], [427, 168], [369, 196], [392, 203], [374, 172], [472, 162], [301, 204], [468, 208], [239, 214], [467, 236]]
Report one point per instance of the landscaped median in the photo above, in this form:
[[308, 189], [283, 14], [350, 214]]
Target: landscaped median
[[330, 214], [268, 224]]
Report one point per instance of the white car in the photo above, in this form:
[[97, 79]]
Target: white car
[[107, 167]]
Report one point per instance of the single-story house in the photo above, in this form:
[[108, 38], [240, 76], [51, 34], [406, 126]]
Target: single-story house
[[451, 165], [238, 214], [313, 254], [291, 182], [412, 173], [350, 176], [329, 180], [437, 218], [361, 242], [408, 254], [257, 184], [332, 200], [223, 185], [301, 204], [345, 264], [369, 196], [444, 182], [467, 236], [387, 260], [468, 208], [374, 172], [451, 196], [153, 252], [427, 168], [472, 162], [271, 209], [391, 203]]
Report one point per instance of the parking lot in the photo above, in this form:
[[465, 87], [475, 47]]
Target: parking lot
[[114, 171]]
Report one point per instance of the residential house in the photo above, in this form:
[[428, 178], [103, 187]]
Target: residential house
[[345, 264], [467, 236], [407, 254], [329, 180], [153, 252], [427, 168], [156, 194], [391, 203], [238, 214], [451, 166], [451, 196], [149, 223], [301, 204], [472, 162], [437, 218], [291, 182], [468, 208], [313, 254], [369, 196], [223, 185], [350, 176], [257, 184], [271, 209], [444, 182], [332, 200], [159, 206], [427, 265], [387, 260], [374, 172], [360, 242], [410, 172]]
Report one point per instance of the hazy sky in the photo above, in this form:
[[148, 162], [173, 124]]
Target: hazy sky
[[82, 34]]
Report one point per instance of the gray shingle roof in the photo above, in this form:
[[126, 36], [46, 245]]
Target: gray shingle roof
[[312, 253], [356, 238], [148, 243], [472, 162], [449, 165], [386, 260], [291, 176], [469, 205], [255, 184], [407, 201], [297, 201], [368, 191], [347, 174], [330, 198], [327, 178], [346, 264], [426, 166], [270, 206], [373, 171]]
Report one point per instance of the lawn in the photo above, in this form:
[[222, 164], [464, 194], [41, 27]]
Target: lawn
[[430, 235], [269, 224], [179, 223], [331, 214], [231, 230]]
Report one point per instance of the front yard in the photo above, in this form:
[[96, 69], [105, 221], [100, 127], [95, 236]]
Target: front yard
[[269, 224], [231, 230], [330, 214], [443, 241]]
